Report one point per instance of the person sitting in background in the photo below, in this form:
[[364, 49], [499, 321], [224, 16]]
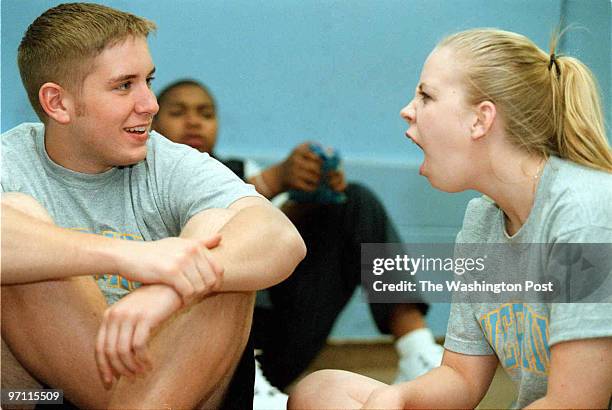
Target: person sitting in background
[[306, 305]]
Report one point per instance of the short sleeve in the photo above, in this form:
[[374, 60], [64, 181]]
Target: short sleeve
[[201, 182], [186, 181], [464, 334], [576, 321]]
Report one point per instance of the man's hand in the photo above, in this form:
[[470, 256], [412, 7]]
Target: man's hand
[[184, 264], [301, 170], [121, 345]]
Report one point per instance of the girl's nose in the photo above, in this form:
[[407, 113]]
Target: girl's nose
[[408, 113]]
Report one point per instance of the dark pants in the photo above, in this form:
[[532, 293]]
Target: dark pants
[[305, 306]]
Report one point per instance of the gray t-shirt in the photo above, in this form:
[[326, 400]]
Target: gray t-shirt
[[150, 200], [573, 204]]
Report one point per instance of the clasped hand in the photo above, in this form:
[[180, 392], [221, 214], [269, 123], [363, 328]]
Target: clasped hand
[[178, 271], [186, 265]]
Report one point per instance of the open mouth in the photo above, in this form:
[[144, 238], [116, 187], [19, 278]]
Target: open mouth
[[136, 130], [422, 167], [413, 141]]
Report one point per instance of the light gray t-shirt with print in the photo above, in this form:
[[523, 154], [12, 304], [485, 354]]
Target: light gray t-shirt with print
[[150, 200], [573, 204]]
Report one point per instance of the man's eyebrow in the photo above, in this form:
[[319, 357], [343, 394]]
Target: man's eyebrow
[[121, 78], [126, 77]]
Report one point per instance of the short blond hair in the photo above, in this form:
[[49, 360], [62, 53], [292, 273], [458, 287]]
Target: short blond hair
[[549, 103], [60, 44]]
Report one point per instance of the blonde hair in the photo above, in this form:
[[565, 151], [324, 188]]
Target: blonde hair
[[550, 104], [60, 44]]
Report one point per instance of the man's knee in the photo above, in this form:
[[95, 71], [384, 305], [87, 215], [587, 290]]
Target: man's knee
[[242, 303], [230, 313], [16, 377], [237, 309], [26, 204], [361, 193], [57, 352]]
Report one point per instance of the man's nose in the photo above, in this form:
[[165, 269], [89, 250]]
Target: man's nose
[[193, 118], [147, 103]]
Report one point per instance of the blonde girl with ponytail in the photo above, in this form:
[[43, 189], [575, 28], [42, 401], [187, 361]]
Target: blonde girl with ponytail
[[494, 113]]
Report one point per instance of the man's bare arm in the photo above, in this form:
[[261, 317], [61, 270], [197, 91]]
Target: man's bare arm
[[34, 249], [260, 246]]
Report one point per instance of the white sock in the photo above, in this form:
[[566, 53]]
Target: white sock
[[418, 354], [414, 341]]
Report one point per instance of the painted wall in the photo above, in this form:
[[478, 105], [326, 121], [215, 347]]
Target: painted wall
[[330, 70]]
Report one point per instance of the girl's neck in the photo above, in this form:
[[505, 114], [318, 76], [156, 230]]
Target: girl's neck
[[513, 184]]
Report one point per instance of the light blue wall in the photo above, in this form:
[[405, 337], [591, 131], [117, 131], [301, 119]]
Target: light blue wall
[[336, 71], [285, 70]]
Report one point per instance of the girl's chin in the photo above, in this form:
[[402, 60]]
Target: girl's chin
[[444, 185], [439, 183]]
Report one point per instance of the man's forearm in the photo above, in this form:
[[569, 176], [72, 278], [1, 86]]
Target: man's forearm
[[34, 250], [260, 247], [264, 253]]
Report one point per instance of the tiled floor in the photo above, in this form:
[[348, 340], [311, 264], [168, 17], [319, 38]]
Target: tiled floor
[[378, 359]]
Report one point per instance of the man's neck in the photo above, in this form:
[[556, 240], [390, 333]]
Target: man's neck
[[62, 150]]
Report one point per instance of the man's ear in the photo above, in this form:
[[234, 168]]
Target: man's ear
[[55, 102], [486, 112]]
